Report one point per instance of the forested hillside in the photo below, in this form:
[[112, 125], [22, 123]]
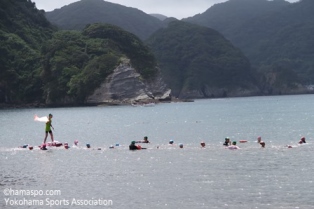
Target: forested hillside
[[196, 59], [76, 63], [23, 29], [41, 64], [276, 36]]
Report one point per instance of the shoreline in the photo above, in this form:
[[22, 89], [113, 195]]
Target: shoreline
[[121, 103]]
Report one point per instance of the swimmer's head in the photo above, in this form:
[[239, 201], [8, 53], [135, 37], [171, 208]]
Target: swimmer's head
[[75, 142], [171, 142], [133, 142], [259, 139], [145, 138], [88, 145], [50, 115], [203, 144], [227, 139], [111, 147], [181, 145], [234, 143], [262, 144]]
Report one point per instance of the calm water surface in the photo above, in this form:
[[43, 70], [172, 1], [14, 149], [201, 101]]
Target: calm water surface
[[168, 177]]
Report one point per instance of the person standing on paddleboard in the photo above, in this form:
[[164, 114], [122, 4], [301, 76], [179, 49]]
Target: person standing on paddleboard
[[48, 128]]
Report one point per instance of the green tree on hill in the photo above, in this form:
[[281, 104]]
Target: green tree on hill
[[193, 58]]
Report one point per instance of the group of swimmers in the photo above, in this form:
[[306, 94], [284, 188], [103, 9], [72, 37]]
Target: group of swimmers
[[227, 143], [135, 145]]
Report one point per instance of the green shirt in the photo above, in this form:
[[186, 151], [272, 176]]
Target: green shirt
[[48, 124]]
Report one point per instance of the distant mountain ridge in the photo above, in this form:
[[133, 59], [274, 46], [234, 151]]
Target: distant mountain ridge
[[77, 15], [230, 15], [159, 16], [276, 36]]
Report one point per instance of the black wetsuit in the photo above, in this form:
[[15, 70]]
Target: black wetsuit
[[133, 147]]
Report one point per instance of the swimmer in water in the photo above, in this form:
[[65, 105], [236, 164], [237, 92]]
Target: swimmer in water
[[48, 129], [302, 140], [227, 142], [145, 140], [259, 140], [203, 144], [133, 146], [233, 146], [171, 142]]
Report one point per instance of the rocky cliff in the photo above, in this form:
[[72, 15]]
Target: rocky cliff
[[125, 85]]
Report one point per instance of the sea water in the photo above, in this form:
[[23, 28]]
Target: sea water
[[162, 176]]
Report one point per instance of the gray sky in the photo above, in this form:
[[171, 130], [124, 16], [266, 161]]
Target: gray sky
[[171, 8]]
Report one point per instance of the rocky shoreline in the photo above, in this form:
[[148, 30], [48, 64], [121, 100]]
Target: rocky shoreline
[[112, 103]]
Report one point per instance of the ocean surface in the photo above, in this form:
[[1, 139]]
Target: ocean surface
[[162, 176]]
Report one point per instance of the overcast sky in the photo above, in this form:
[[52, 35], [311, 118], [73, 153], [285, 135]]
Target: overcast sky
[[171, 8]]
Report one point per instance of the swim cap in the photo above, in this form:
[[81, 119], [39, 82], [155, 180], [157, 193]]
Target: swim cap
[[181, 145], [117, 144], [50, 114], [171, 141], [234, 142], [133, 142]]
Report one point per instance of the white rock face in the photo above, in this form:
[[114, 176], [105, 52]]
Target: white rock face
[[126, 85]]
